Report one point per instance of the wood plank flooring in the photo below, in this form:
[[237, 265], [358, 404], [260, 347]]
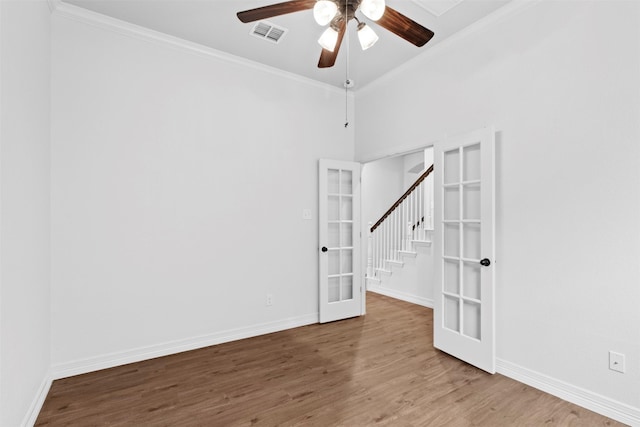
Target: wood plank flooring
[[380, 369]]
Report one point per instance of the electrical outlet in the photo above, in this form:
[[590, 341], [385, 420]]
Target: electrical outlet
[[269, 300], [616, 361]]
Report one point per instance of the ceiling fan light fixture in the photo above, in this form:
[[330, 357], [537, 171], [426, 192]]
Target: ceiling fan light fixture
[[366, 36], [328, 39], [372, 9], [324, 11]]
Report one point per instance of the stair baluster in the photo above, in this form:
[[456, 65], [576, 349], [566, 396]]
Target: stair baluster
[[396, 230]]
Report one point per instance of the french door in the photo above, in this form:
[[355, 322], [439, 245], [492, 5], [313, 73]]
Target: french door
[[339, 238], [464, 251]]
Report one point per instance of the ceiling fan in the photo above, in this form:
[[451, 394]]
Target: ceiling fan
[[336, 14]]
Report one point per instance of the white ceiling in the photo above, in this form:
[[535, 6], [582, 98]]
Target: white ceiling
[[213, 23]]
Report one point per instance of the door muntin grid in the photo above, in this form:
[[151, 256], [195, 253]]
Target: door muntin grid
[[340, 235], [461, 237]]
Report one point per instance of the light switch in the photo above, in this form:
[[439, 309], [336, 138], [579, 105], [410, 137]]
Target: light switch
[[306, 213]]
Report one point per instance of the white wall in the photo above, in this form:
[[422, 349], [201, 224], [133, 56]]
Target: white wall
[[178, 184], [382, 185], [411, 160], [24, 213], [559, 80]]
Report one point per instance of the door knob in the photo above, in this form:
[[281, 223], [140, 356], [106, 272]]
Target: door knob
[[324, 249], [485, 262]]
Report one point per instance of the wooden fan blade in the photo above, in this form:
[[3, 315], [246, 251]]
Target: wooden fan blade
[[404, 27], [275, 10], [328, 58]]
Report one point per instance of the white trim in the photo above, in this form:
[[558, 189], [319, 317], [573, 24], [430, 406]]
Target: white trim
[[408, 254], [384, 153], [99, 20], [595, 402], [373, 280], [36, 405], [397, 150], [383, 272], [501, 14], [414, 299], [110, 360]]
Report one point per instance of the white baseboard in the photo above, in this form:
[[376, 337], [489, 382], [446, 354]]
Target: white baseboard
[[110, 360], [38, 400], [589, 400], [414, 299]]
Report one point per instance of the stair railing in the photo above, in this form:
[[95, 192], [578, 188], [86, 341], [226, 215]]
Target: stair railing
[[400, 225]]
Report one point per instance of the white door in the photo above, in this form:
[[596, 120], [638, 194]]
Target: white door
[[339, 222], [463, 324]]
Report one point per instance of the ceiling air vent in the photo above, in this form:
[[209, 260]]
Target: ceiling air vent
[[267, 31]]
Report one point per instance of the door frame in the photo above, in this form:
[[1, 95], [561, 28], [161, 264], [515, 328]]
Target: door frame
[[364, 235]]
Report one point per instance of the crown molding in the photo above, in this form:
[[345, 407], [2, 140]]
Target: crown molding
[[108, 23], [53, 4], [505, 12]]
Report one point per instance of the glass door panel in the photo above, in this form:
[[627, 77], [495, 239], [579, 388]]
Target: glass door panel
[[346, 182], [471, 276], [471, 316], [451, 240], [452, 166], [346, 208], [471, 201], [333, 181], [451, 277], [333, 208], [347, 288], [334, 289], [452, 203], [347, 234], [334, 261], [471, 241], [452, 313], [471, 162], [333, 235]]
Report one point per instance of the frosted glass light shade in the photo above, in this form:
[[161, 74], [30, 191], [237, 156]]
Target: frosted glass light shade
[[324, 11], [372, 9], [366, 36], [328, 39]]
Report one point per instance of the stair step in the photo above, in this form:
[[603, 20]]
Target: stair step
[[421, 242], [408, 254], [394, 263], [373, 280], [382, 271]]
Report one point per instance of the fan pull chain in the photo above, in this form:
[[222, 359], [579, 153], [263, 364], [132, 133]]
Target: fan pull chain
[[346, 77], [346, 107]]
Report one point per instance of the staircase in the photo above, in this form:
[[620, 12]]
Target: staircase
[[399, 258]]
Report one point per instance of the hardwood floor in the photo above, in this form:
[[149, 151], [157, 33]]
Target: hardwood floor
[[380, 369]]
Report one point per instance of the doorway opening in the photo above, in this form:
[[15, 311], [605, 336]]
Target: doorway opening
[[404, 271]]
